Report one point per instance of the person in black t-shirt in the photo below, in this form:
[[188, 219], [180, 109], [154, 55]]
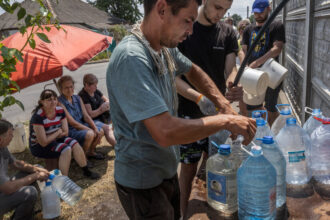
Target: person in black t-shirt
[[97, 106], [269, 46], [213, 47]]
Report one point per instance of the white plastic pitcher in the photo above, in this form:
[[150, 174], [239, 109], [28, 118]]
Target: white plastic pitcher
[[254, 81], [19, 143], [276, 72]]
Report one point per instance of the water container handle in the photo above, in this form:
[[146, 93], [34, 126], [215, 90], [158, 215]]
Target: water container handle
[[325, 122], [245, 150], [280, 105], [309, 110], [262, 112], [215, 144]]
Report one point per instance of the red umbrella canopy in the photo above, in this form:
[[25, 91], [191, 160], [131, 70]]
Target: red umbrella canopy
[[70, 48]]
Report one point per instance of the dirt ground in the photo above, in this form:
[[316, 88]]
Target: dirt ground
[[100, 200]]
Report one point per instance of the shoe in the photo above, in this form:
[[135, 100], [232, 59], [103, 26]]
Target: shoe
[[90, 164], [92, 175]]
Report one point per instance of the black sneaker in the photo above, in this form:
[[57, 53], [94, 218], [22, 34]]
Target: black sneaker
[[92, 175]]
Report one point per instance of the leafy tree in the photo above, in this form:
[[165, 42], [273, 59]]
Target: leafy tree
[[252, 20], [236, 18], [10, 56], [125, 9]]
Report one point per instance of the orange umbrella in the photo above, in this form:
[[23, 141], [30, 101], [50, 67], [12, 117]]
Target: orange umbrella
[[70, 48]]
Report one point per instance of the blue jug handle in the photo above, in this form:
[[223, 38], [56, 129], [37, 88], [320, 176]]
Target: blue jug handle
[[261, 112]]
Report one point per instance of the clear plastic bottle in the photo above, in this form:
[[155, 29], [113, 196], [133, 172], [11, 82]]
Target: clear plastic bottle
[[285, 112], [312, 123], [219, 138], [51, 204], [295, 144], [320, 158], [274, 155], [66, 188], [256, 182], [221, 181]]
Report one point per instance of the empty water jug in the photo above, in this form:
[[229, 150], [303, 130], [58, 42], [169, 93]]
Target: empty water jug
[[256, 182], [51, 204], [285, 112], [221, 171], [312, 123], [320, 158], [66, 188], [274, 155]]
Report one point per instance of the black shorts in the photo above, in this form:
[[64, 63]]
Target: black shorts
[[54, 149], [161, 202], [192, 153], [270, 99]]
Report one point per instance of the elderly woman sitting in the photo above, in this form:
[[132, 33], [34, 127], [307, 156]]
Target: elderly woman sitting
[[81, 126], [49, 135], [97, 106]]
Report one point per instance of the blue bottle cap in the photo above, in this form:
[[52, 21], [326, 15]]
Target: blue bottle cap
[[291, 121], [256, 150], [268, 140], [48, 183], [56, 172], [261, 122], [224, 149], [256, 114], [51, 176], [316, 111]]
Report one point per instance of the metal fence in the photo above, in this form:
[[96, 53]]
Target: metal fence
[[307, 54]]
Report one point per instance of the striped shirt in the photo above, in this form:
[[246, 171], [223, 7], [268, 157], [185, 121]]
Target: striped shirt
[[51, 125]]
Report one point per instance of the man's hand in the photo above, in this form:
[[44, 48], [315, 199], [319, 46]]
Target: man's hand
[[234, 93], [42, 176], [40, 169], [254, 65], [241, 125]]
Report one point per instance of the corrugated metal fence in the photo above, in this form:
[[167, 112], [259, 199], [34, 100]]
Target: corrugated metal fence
[[307, 54]]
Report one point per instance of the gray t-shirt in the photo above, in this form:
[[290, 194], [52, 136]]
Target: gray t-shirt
[[138, 92], [6, 158]]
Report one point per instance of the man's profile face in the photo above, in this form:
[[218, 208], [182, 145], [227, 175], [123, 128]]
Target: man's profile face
[[214, 10], [176, 28]]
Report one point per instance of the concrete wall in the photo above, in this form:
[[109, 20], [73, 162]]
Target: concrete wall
[[307, 54]]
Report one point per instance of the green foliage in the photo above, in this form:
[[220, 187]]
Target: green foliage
[[119, 32], [252, 20], [10, 56], [101, 56], [125, 9], [236, 18]]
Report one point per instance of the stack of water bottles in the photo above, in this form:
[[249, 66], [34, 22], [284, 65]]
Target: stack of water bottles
[[58, 186]]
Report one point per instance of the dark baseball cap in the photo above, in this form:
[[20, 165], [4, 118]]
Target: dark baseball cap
[[260, 5]]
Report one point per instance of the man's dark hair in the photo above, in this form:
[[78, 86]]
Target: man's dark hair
[[4, 126], [176, 5]]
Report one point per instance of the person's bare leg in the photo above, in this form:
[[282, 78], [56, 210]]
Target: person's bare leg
[[95, 142], [88, 141], [79, 155], [64, 161], [109, 136], [187, 174], [272, 117]]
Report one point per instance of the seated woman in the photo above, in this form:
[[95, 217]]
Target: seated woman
[[97, 106], [81, 126], [48, 135]]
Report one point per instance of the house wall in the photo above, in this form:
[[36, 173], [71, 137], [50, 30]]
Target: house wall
[[307, 54]]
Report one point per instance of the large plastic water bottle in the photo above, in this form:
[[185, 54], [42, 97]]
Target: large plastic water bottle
[[219, 138], [295, 144], [320, 158], [285, 112], [51, 204], [66, 188], [312, 123], [276, 158], [256, 182], [263, 128], [221, 171]]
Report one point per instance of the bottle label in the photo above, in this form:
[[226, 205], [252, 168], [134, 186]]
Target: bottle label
[[216, 187], [296, 156], [272, 199]]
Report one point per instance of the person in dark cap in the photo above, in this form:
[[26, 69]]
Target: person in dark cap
[[269, 46]]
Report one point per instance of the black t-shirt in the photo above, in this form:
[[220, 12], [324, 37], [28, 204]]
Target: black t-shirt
[[208, 47], [275, 32], [95, 101]]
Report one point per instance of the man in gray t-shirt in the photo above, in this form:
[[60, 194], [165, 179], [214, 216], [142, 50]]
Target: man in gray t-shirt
[[16, 194], [140, 82]]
